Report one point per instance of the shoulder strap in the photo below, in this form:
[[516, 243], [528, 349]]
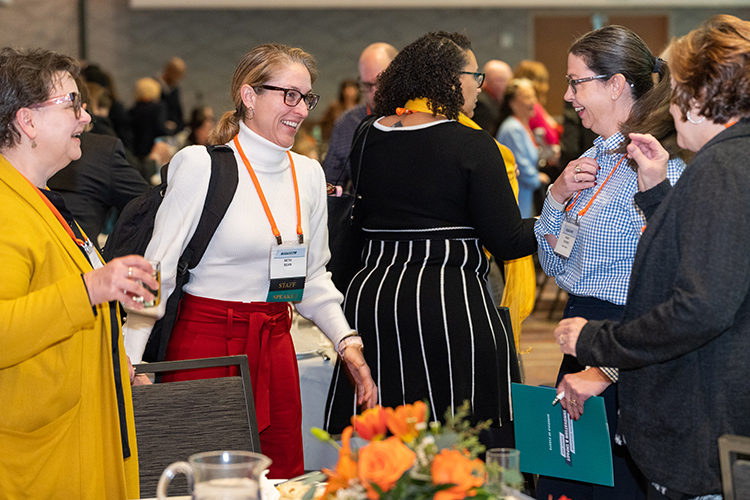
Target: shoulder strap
[[364, 125], [221, 189]]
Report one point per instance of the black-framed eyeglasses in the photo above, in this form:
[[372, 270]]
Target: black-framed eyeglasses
[[292, 97], [572, 83], [478, 77], [72, 97]]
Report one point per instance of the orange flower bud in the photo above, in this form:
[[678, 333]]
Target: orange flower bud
[[453, 467], [404, 420], [383, 463], [370, 425], [346, 468]]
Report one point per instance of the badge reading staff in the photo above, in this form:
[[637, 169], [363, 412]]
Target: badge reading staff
[[287, 271]]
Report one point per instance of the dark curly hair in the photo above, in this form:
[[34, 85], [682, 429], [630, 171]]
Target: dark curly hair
[[712, 65], [428, 67], [27, 77]]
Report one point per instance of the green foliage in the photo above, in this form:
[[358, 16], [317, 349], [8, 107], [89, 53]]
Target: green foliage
[[468, 435]]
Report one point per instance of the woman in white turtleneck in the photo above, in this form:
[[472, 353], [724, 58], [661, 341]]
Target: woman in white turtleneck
[[227, 308]]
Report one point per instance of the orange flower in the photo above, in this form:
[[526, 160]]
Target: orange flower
[[370, 425], [453, 467], [383, 463], [346, 468], [403, 420]]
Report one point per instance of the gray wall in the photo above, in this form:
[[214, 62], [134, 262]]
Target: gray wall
[[131, 44]]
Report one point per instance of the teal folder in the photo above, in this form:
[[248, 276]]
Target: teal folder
[[553, 444]]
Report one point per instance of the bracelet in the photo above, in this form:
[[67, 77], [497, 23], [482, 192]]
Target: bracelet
[[347, 341], [560, 207]]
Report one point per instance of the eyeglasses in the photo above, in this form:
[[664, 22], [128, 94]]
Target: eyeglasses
[[478, 77], [293, 97], [572, 83], [367, 87], [73, 97]]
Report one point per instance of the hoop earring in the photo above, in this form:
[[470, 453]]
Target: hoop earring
[[695, 122], [251, 116]]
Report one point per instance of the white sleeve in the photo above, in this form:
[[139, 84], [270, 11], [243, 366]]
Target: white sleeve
[[176, 220]]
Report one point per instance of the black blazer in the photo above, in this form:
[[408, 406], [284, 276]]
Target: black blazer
[[100, 180], [683, 344]]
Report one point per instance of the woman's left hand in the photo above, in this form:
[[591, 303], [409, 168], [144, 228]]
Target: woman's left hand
[[566, 334], [579, 387], [367, 391]]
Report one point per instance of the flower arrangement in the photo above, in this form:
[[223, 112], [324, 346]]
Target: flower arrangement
[[418, 461]]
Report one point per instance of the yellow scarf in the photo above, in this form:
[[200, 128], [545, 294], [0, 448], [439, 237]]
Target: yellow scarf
[[520, 278]]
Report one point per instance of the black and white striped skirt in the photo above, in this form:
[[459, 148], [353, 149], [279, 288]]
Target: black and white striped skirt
[[430, 329]]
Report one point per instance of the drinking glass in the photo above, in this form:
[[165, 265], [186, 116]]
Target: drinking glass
[[503, 468], [156, 266]]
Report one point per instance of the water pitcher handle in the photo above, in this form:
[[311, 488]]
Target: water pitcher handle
[[169, 474]]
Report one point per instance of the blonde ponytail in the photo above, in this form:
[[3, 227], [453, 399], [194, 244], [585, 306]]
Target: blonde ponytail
[[226, 129]]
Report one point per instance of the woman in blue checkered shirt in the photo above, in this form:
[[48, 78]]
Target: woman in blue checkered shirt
[[589, 228]]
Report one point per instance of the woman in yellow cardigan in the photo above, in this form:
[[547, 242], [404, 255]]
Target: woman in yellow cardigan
[[66, 424]]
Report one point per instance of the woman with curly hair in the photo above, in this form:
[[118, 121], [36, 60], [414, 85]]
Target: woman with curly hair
[[434, 192]]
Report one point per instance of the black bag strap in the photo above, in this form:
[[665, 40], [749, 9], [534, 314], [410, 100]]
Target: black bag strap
[[221, 189], [363, 127]]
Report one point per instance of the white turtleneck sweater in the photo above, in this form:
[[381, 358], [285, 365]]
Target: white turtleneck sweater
[[235, 266]]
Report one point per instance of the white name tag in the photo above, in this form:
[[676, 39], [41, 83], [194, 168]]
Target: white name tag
[[287, 272], [93, 257], [567, 238]]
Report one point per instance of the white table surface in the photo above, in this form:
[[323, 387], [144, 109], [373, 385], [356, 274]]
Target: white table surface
[[315, 377]]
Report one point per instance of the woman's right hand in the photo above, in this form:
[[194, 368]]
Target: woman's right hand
[[117, 281], [651, 158], [367, 391], [579, 174]]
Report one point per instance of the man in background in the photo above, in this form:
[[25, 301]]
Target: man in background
[[497, 74], [373, 60], [170, 79]]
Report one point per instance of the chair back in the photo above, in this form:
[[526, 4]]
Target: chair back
[[178, 419], [734, 457]]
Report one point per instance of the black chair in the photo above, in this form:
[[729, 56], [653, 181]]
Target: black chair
[[734, 457], [178, 419]]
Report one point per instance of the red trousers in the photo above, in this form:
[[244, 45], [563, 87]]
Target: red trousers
[[208, 328]]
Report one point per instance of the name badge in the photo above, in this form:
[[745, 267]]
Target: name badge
[[91, 254], [287, 271], [567, 238]]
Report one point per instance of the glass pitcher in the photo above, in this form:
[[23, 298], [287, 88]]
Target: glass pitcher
[[218, 475]]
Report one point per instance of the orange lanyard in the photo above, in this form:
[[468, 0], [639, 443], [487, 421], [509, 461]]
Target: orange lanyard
[[274, 228], [588, 205], [59, 216]]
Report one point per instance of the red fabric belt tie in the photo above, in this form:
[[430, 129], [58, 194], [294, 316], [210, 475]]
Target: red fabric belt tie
[[259, 323]]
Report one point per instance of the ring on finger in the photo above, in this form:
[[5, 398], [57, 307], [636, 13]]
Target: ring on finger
[[130, 272], [578, 169], [576, 178], [573, 402]]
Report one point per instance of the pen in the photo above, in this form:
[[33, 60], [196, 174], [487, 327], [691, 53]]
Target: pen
[[558, 398]]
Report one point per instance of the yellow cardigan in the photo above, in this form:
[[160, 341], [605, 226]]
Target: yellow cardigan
[[59, 421]]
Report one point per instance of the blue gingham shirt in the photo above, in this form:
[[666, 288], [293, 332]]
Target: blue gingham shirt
[[602, 257]]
